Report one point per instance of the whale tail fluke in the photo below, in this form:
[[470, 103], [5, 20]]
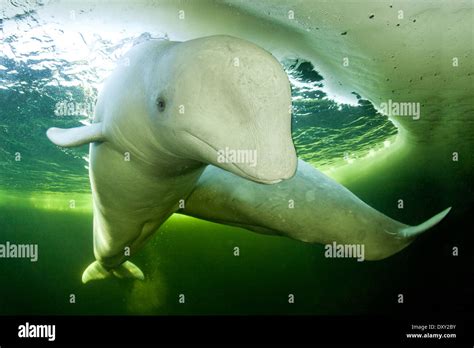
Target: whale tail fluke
[[128, 270], [413, 231], [96, 271]]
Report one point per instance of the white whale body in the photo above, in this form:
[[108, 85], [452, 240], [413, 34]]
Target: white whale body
[[162, 121], [160, 118], [309, 207]]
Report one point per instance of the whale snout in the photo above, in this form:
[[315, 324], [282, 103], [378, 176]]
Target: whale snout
[[271, 168], [235, 102], [261, 164]]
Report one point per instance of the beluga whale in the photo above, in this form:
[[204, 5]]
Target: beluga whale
[[207, 122]]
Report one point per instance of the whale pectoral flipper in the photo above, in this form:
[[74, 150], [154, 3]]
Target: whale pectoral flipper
[[76, 136], [95, 271]]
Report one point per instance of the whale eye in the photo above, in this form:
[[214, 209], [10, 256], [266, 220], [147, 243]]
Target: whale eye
[[161, 104]]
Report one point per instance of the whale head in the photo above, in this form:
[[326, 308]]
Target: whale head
[[226, 102]]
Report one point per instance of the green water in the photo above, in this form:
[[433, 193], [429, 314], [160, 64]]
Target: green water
[[195, 258], [186, 256]]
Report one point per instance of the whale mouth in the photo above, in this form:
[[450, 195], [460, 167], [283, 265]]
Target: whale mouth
[[229, 166], [254, 178]]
